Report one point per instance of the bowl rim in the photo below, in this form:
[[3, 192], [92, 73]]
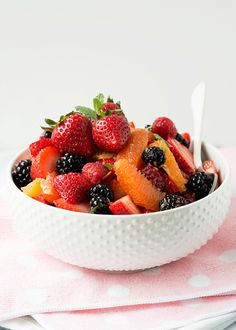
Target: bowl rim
[[121, 216]]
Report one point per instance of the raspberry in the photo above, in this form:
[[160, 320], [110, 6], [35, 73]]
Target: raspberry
[[73, 187], [164, 127], [37, 146], [94, 172], [159, 179]]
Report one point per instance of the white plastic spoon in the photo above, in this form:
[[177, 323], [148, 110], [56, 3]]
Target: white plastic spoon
[[198, 105]]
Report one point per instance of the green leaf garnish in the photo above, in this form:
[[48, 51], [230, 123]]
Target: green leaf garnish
[[109, 166], [62, 117], [86, 112], [157, 137], [98, 102], [52, 124], [46, 128], [110, 99]]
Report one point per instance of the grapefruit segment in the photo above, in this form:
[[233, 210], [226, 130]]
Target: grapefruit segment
[[134, 184], [134, 149]]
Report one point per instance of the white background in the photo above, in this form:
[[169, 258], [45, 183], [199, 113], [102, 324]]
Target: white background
[[148, 54]]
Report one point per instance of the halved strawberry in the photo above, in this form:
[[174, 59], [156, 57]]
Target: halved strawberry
[[37, 146], [124, 205], [209, 167], [81, 207], [44, 163], [131, 125], [187, 137], [183, 156]]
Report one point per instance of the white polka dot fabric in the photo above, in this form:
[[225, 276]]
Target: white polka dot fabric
[[146, 317], [32, 282]]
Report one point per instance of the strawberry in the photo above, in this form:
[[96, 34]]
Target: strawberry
[[159, 179], [132, 125], [111, 133], [109, 106], [73, 187], [209, 167], [44, 163], [74, 135], [37, 146], [94, 172], [124, 205], [81, 207], [183, 156], [40, 198], [164, 127], [187, 137]]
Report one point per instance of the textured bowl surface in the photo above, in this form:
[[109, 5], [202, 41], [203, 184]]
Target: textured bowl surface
[[122, 243]]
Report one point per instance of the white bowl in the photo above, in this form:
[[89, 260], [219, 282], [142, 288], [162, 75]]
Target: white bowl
[[122, 242]]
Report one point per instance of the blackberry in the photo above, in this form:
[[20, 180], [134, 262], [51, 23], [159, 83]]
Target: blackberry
[[21, 173], [47, 134], [102, 190], [100, 205], [200, 183], [154, 156], [172, 201], [148, 127], [182, 140], [70, 163]]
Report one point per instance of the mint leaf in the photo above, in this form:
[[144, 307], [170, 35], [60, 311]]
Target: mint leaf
[[86, 112], [109, 166], [157, 137], [98, 102]]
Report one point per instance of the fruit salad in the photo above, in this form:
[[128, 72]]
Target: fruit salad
[[93, 160]]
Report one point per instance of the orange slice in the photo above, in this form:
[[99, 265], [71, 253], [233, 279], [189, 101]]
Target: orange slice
[[134, 149], [33, 189], [170, 166], [134, 184]]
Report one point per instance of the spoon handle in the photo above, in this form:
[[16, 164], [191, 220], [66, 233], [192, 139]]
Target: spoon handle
[[197, 102]]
